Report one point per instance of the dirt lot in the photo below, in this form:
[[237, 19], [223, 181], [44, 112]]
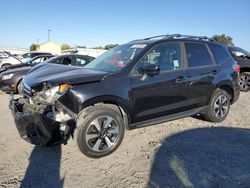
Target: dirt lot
[[183, 153]]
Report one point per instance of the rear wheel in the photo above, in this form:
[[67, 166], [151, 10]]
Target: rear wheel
[[244, 81], [99, 130], [219, 106]]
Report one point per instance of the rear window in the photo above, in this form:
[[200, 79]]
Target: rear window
[[197, 55], [219, 53]]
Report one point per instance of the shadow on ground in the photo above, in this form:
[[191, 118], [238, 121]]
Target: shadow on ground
[[206, 157], [44, 168]]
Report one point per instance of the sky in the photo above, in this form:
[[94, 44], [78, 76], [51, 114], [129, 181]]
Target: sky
[[100, 22]]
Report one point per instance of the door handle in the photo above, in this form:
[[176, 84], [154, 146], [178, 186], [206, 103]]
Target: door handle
[[181, 79]]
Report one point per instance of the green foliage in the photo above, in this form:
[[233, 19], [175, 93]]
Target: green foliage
[[99, 48], [110, 46], [81, 46], [224, 39], [33, 47], [65, 47]]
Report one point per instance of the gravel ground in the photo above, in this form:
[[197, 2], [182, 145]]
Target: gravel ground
[[182, 153]]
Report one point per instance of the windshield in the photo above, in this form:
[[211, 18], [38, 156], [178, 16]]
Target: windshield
[[117, 58]]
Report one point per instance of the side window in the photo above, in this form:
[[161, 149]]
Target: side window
[[197, 55], [38, 60], [167, 56], [63, 61], [80, 61], [219, 53]]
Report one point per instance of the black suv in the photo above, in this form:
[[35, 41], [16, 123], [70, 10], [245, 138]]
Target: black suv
[[140, 83], [243, 60]]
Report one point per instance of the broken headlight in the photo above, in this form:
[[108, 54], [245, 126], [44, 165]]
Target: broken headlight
[[48, 96]]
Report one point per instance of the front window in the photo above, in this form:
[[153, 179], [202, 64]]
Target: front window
[[117, 58]]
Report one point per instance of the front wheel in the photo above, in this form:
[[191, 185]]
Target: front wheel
[[99, 130], [219, 106]]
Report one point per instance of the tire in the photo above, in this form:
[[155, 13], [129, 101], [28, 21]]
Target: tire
[[244, 81], [99, 130], [219, 106], [20, 87]]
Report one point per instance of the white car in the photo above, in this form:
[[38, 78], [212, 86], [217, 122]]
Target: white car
[[9, 61]]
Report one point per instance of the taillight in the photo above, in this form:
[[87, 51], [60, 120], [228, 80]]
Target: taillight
[[236, 68]]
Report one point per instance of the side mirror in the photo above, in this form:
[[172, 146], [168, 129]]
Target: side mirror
[[151, 70]]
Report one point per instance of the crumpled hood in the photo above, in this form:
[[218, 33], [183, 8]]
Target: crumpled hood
[[55, 74]]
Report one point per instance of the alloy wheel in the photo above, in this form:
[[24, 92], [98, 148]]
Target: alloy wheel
[[221, 106], [244, 81], [102, 134]]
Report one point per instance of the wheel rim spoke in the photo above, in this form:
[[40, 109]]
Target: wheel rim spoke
[[91, 136], [113, 130], [97, 145], [108, 122], [96, 124], [108, 142]]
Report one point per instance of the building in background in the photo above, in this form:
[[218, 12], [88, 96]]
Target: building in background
[[50, 46]]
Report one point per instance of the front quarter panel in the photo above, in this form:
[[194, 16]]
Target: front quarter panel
[[110, 90]]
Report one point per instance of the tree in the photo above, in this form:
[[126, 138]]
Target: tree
[[81, 46], [99, 48], [110, 46], [65, 47], [33, 47], [224, 39]]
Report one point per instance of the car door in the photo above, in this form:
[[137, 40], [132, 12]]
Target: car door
[[201, 73], [162, 94]]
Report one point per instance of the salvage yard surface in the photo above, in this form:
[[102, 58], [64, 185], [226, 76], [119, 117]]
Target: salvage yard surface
[[182, 153]]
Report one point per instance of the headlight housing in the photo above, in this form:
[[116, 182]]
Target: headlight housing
[[7, 76], [49, 96]]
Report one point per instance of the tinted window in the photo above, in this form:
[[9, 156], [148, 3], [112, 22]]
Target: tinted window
[[63, 61], [167, 56], [219, 53], [197, 55]]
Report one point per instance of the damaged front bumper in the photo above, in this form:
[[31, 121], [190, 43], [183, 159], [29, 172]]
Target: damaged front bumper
[[36, 125]]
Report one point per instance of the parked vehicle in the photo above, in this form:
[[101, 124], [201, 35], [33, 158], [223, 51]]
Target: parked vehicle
[[140, 83], [28, 56], [11, 80], [31, 62], [243, 59], [8, 61], [4, 54]]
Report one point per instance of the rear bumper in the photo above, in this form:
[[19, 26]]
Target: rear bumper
[[33, 126]]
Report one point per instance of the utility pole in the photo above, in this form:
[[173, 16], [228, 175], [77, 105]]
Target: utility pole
[[49, 34], [37, 41]]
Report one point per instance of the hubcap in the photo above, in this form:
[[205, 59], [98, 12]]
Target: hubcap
[[102, 133], [244, 82], [221, 106]]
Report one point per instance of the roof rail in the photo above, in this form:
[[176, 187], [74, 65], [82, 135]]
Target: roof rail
[[190, 37], [176, 36]]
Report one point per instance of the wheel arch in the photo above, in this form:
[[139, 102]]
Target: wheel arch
[[226, 86], [109, 100]]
